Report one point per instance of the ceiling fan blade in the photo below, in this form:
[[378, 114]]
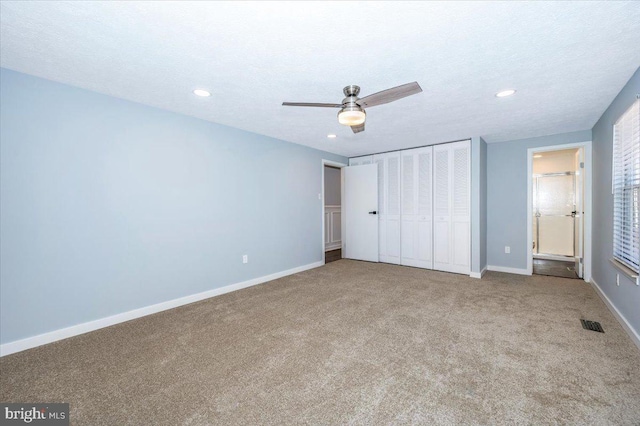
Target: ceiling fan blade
[[311, 104], [390, 95], [357, 129]]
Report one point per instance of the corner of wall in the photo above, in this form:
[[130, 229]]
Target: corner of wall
[[477, 168], [483, 205], [622, 299]]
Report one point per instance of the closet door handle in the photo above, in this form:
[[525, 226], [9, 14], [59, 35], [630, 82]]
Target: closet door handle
[[373, 212]]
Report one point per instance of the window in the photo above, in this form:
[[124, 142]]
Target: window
[[626, 188]]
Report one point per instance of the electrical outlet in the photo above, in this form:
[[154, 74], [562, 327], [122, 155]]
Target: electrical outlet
[[618, 280], [320, 196], [245, 258], [507, 249]]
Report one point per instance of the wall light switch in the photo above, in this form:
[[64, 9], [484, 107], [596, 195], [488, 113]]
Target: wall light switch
[[245, 258], [507, 249], [320, 196], [618, 280]]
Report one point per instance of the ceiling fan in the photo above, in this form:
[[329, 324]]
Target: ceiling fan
[[352, 111]]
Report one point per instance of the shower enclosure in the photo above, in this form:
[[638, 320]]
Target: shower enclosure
[[554, 214]]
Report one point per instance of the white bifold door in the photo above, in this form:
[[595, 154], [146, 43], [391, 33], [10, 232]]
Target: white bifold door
[[389, 206], [452, 207], [423, 208], [417, 208]]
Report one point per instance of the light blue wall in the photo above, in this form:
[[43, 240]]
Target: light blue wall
[[478, 204], [108, 205], [507, 181], [626, 297], [331, 186]]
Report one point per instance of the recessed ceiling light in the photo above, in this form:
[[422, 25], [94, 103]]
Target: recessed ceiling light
[[537, 156], [505, 93], [331, 136], [201, 92]]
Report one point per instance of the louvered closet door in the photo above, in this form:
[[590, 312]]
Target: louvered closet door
[[452, 210], [389, 206], [417, 215], [461, 213], [441, 208]]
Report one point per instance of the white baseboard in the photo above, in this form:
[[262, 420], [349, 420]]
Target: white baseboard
[[554, 257], [517, 271], [333, 246], [75, 330], [635, 337], [478, 274]]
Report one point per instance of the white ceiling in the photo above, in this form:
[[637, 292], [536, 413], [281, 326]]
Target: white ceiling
[[568, 60]]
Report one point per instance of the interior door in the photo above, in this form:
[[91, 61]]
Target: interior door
[[461, 207], [388, 206], [417, 221], [579, 213], [556, 222], [452, 207], [442, 209], [361, 212]]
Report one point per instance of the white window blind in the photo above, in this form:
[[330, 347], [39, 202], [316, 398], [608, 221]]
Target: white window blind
[[626, 188]]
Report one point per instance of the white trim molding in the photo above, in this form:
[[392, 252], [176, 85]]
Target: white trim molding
[[75, 330], [478, 274], [633, 334], [630, 273], [331, 240], [517, 271], [554, 257]]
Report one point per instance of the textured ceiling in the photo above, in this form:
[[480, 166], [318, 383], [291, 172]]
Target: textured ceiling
[[568, 60]]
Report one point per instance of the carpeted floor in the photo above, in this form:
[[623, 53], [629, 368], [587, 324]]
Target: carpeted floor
[[350, 342]]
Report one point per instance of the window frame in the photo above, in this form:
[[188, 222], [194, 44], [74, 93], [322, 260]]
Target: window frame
[[625, 187]]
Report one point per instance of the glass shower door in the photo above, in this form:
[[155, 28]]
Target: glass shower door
[[554, 214]]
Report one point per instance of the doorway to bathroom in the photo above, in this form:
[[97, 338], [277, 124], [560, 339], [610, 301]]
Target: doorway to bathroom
[[558, 211]]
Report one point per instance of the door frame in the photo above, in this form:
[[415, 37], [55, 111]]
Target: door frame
[[588, 170], [342, 222]]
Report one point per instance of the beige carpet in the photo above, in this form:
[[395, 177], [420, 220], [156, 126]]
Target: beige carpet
[[350, 342]]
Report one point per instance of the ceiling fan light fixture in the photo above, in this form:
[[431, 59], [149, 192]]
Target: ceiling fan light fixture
[[352, 111], [351, 115]]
